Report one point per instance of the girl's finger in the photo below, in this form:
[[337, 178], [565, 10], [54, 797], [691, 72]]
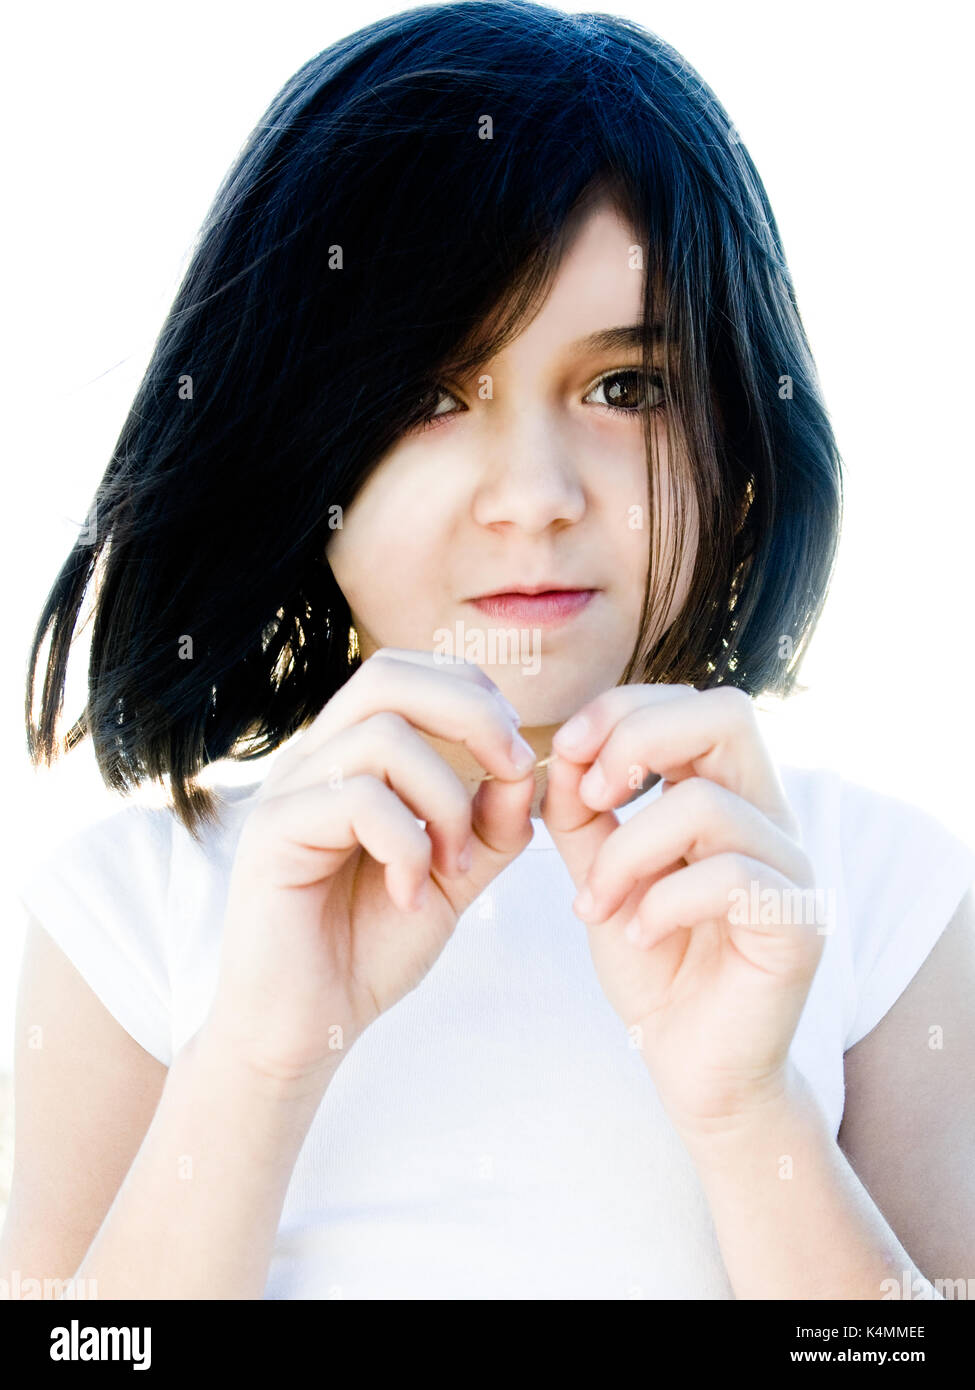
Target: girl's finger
[[782, 935], [449, 701], [501, 822], [580, 738], [698, 820], [577, 831], [386, 746], [712, 734], [304, 836]]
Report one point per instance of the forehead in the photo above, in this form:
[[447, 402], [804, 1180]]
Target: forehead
[[593, 301]]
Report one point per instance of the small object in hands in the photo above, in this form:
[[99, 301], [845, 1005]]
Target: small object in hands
[[542, 762]]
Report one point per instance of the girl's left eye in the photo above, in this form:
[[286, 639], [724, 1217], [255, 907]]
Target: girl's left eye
[[623, 399]]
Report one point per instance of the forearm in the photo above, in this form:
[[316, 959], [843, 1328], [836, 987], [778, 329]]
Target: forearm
[[792, 1218], [197, 1214]]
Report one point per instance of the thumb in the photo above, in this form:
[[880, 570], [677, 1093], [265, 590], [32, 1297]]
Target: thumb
[[501, 822], [577, 831]]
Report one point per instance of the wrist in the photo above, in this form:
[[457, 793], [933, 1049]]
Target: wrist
[[215, 1050], [776, 1107]]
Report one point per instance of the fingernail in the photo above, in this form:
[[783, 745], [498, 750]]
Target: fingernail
[[584, 904], [522, 753], [594, 785], [571, 735]]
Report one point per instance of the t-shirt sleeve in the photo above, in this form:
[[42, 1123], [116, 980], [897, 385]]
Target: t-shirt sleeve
[[905, 875], [102, 897]]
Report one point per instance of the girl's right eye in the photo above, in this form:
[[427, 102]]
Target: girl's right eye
[[430, 419]]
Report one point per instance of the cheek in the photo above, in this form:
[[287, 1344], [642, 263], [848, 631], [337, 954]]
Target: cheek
[[621, 492], [648, 516], [392, 521]]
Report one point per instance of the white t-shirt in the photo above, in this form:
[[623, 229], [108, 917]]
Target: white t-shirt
[[495, 1134]]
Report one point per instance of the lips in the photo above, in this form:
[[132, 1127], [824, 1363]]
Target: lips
[[540, 607], [549, 587]]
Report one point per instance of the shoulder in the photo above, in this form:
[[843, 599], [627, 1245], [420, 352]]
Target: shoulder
[[897, 874], [124, 867], [866, 828], [215, 840], [127, 846], [125, 897]]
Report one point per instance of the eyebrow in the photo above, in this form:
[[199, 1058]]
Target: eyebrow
[[605, 340], [610, 339]]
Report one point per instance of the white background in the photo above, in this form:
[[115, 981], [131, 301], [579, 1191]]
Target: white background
[[120, 122]]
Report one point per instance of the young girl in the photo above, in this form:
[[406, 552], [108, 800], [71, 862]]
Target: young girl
[[481, 460]]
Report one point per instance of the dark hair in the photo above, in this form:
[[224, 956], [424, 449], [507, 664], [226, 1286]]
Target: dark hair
[[409, 187]]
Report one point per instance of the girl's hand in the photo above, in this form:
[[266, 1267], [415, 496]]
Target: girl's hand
[[715, 997], [321, 933]]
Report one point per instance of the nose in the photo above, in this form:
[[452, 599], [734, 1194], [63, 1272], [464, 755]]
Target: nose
[[530, 478]]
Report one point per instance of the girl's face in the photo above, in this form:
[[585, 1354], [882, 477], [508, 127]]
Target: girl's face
[[526, 477]]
